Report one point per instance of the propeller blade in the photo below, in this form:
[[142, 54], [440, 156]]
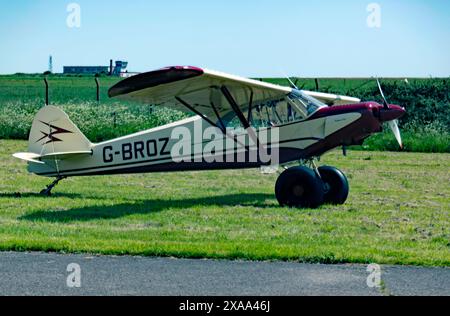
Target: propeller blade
[[394, 127], [385, 103]]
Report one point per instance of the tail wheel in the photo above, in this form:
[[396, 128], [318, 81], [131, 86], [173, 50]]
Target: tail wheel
[[299, 187], [335, 184]]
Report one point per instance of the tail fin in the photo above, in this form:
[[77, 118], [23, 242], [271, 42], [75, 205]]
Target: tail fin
[[53, 132]]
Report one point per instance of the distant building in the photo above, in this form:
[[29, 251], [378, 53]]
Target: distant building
[[119, 68], [85, 70]]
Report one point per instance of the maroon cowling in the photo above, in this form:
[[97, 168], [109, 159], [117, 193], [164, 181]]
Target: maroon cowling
[[392, 113], [373, 115]]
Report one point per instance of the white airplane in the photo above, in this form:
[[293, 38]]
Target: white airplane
[[251, 122]]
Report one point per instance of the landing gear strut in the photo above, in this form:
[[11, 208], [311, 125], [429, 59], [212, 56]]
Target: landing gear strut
[[309, 186], [48, 191]]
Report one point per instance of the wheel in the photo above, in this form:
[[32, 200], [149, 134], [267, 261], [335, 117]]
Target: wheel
[[335, 184], [299, 187]]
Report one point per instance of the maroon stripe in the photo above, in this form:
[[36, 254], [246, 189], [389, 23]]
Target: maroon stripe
[[341, 109]]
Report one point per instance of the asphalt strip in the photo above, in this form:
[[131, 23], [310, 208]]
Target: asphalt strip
[[36, 273]]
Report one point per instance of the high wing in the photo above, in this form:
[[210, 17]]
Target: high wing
[[210, 94], [332, 99]]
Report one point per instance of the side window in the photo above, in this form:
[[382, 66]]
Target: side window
[[257, 117], [263, 115], [275, 112]]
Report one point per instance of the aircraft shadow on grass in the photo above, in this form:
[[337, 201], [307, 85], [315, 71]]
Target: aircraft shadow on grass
[[145, 207], [19, 195]]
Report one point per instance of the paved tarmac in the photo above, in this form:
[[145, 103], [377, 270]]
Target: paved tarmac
[[35, 273]]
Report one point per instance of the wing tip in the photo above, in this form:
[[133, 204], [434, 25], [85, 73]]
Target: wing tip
[[154, 78]]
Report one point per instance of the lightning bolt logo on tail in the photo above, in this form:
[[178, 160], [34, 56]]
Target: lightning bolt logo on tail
[[54, 130]]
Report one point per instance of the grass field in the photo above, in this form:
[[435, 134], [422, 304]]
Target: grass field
[[398, 212]]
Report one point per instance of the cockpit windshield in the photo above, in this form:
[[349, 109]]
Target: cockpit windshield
[[296, 106], [304, 102]]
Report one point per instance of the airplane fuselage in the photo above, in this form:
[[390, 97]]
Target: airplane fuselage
[[163, 149]]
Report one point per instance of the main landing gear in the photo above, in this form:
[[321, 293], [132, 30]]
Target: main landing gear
[[303, 186]]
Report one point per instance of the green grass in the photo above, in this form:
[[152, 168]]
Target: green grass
[[398, 212], [62, 89]]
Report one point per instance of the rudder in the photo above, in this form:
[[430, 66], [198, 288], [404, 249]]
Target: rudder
[[53, 132]]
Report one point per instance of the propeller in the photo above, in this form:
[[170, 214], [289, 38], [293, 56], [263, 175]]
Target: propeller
[[394, 128], [393, 124], [385, 103]]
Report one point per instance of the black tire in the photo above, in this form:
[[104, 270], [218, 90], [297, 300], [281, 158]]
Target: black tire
[[335, 184], [299, 187]]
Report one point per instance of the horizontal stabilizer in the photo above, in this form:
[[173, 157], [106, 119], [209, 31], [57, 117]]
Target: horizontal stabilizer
[[36, 158], [30, 157]]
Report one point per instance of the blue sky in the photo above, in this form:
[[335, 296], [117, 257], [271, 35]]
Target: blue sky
[[245, 37]]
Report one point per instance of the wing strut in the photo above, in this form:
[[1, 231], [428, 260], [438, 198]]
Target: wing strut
[[196, 112], [245, 123], [224, 131], [250, 105], [226, 93]]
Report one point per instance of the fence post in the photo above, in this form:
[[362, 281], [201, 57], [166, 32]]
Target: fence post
[[317, 84], [114, 120], [46, 90], [98, 89]]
